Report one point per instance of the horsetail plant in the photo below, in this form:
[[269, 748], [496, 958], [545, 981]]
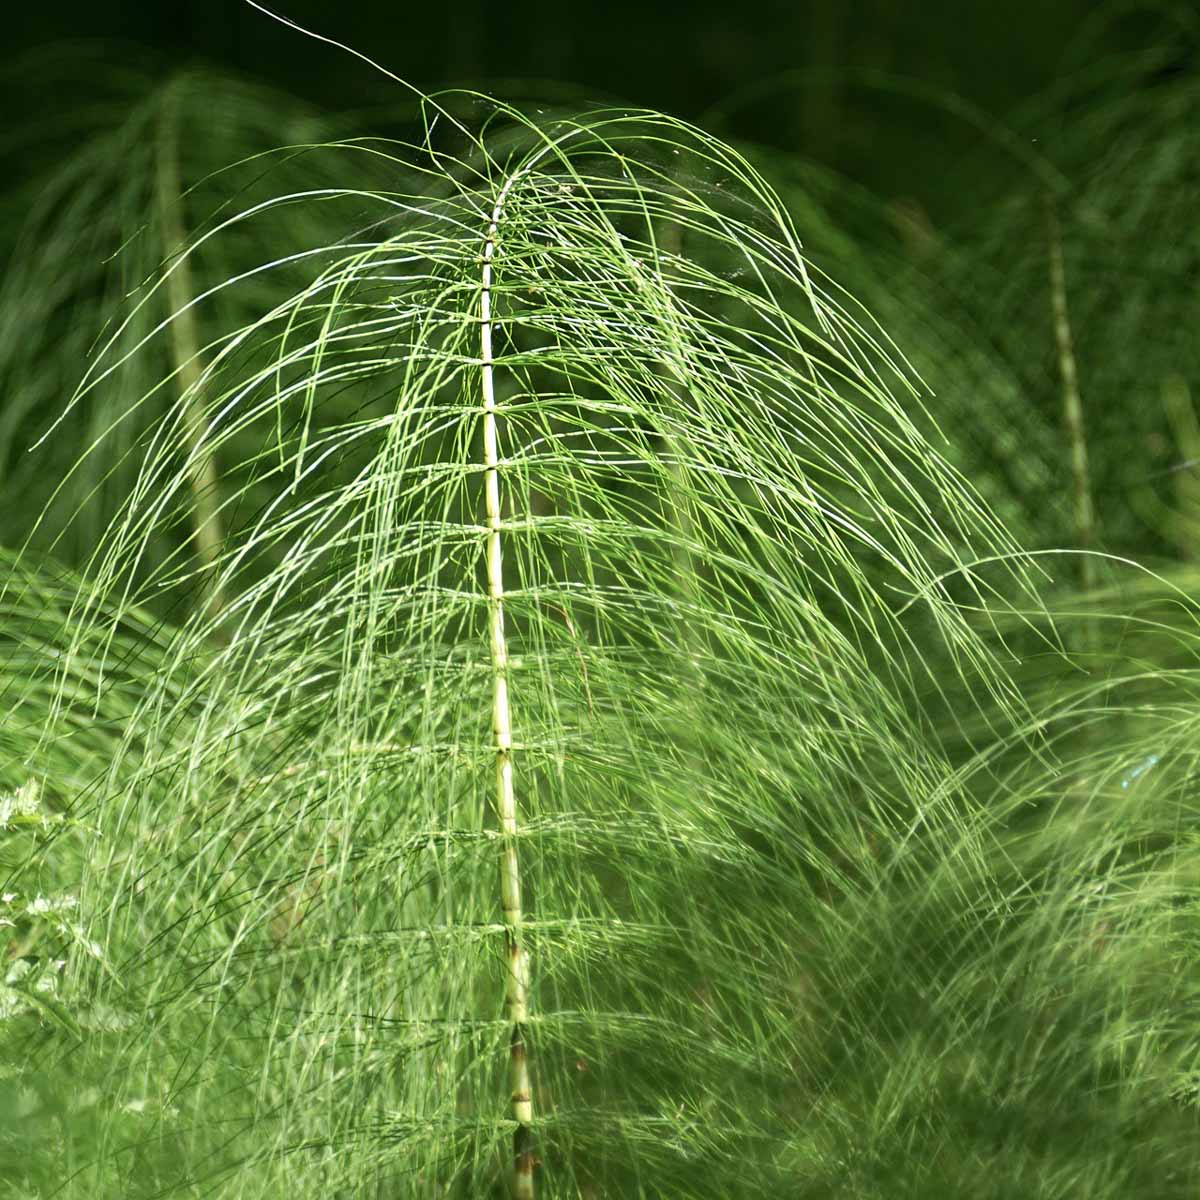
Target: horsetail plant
[[110, 214], [454, 453]]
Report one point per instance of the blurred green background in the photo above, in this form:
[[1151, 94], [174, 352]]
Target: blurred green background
[[681, 59]]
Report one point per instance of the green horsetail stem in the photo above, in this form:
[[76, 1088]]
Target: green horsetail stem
[[1181, 414], [517, 958], [185, 351], [1083, 508]]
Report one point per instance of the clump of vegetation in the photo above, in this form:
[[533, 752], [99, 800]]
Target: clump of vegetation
[[535, 713]]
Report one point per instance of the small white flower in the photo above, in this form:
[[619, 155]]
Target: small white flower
[[21, 803], [11, 1003], [17, 970], [42, 905]]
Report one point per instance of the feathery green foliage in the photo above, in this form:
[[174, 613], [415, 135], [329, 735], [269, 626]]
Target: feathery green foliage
[[563, 515], [708, 494]]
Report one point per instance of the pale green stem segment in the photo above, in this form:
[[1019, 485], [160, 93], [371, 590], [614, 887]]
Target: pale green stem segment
[[517, 990], [1181, 413], [1084, 512], [185, 354]]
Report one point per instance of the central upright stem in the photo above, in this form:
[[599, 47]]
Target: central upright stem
[[517, 989]]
